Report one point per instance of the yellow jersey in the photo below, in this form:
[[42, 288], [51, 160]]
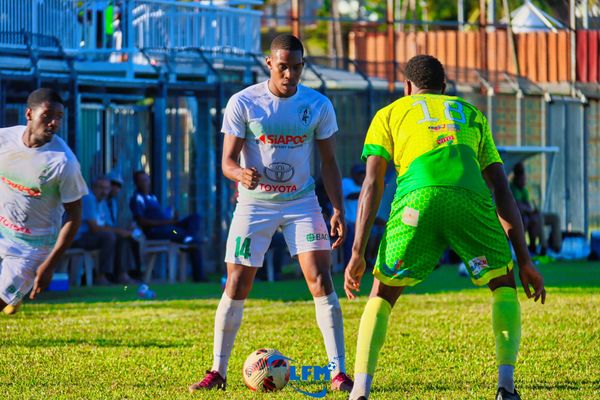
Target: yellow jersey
[[433, 140]]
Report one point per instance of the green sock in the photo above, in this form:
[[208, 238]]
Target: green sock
[[506, 322], [371, 335]]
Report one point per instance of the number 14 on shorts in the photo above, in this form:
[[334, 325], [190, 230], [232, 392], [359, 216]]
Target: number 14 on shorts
[[242, 248]]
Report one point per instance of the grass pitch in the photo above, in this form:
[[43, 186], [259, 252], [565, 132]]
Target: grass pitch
[[103, 343]]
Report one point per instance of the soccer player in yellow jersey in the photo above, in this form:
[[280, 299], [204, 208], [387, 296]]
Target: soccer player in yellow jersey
[[452, 191]]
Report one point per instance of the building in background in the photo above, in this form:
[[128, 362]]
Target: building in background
[[146, 83]]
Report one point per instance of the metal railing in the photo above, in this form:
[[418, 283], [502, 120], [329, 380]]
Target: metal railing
[[91, 26], [176, 24], [55, 18]]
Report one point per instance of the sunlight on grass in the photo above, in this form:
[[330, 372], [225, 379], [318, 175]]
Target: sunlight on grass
[[439, 344]]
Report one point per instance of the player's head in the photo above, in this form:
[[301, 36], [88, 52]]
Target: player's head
[[357, 172], [424, 74], [101, 188], [285, 64], [44, 114], [519, 175], [142, 181], [116, 183]]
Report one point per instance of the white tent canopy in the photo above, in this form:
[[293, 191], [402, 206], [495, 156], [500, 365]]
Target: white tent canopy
[[529, 18]]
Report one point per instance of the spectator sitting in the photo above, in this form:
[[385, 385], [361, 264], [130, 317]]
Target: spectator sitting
[[533, 219], [97, 232], [159, 224]]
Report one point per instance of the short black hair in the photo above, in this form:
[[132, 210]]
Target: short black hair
[[43, 95], [519, 169], [100, 178], [426, 72], [137, 173], [286, 42]]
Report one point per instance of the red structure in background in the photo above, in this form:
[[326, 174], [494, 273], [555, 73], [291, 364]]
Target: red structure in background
[[543, 57], [588, 65]]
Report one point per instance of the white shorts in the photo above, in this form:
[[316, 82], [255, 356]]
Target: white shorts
[[254, 224], [16, 278]]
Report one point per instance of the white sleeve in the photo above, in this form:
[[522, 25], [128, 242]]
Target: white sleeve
[[234, 118], [327, 124], [72, 186]]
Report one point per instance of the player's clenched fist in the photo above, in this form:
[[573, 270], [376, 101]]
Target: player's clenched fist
[[249, 178]]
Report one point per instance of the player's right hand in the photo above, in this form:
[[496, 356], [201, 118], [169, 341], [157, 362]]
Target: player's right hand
[[43, 277], [353, 274], [530, 276], [249, 178]]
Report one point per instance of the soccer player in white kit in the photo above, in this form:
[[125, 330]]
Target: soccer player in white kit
[[270, 130], [40, 178]]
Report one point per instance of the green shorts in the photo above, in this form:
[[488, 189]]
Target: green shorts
[[425, 222]]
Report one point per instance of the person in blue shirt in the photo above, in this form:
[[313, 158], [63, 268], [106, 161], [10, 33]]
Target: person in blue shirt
[[116, 184], [99, 232], [159, 223]]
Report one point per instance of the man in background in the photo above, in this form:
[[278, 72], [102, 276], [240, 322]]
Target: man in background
[[99, 232], [534, 220], [163, 224]]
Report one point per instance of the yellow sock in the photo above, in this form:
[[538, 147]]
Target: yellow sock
[[506, 322], [371, 335], [11, 310]]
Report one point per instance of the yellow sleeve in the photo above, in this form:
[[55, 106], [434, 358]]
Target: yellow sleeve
[[488, 154], [379, 138]]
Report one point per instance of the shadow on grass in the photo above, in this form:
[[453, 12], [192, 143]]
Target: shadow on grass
[[444, 279], [575, 385], [99, 342]]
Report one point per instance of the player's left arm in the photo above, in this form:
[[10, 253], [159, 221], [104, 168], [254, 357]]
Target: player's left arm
[[510, 218], [65, 237], [332, 180]]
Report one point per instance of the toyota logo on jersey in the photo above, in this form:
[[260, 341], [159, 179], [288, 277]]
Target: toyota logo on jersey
[[279, 172]]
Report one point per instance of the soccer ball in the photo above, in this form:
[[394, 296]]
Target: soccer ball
[[266, 370]]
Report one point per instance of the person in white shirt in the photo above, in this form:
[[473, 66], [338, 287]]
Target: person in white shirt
[[270, 130], [40, 179]]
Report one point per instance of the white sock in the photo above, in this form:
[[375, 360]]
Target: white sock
[[331, 323], [228, 319], [362, 386], [506, 377]]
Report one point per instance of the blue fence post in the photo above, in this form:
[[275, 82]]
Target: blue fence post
[[2, 102], [159, 144], [73, 115]]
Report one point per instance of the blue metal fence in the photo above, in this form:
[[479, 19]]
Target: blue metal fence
[[95, 26]]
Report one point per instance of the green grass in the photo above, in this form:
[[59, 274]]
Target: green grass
[[103, 343]]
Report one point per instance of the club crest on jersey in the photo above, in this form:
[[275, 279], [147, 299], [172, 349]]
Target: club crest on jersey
[[279, 172], [304, 114]]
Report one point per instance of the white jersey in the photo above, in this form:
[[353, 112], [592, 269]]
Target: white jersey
[[279, 134], [34, 183]]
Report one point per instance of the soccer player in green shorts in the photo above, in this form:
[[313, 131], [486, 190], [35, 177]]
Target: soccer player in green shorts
[[452, 191]]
